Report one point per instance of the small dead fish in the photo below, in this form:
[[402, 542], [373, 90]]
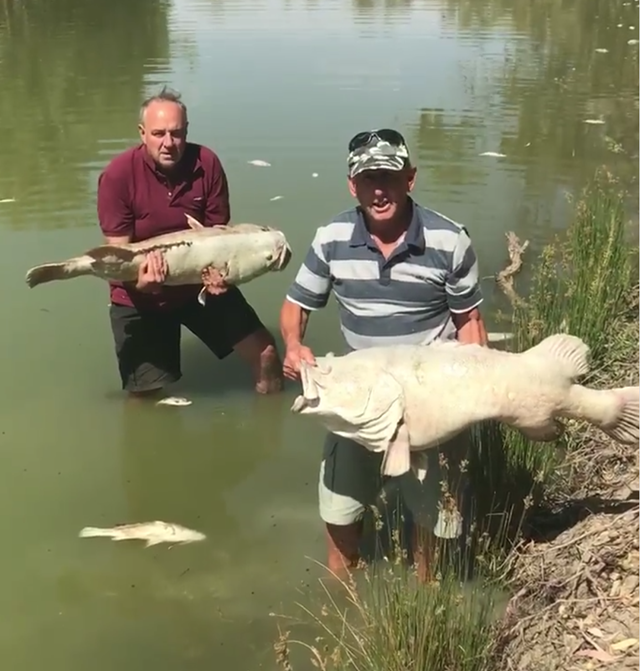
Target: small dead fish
[[382, 397], [260, 163], [594, 122], [276, 198], [602, 51], [178, 401], [632, 42], [493, 154], [8, 200], [314, 174], [153, 533], [239, 252]]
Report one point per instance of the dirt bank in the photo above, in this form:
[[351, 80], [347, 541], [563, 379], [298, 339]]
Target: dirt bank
[[576, 603]]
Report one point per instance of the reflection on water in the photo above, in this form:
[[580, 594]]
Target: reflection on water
[[72, 75], [286, 82]]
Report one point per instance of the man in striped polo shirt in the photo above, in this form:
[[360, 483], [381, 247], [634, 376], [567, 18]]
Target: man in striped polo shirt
[[401, 273]]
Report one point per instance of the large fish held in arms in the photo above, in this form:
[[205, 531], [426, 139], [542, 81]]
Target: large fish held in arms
[[404, 399], [239, 252]]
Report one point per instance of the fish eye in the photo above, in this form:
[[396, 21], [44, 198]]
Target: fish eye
[[269, 257]]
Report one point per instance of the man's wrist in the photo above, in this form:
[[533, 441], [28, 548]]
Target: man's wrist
[[292, 341]]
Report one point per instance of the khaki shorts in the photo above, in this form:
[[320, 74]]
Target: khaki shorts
[[350, 481]]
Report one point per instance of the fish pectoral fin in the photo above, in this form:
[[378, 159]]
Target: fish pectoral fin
[[381, 426], [397, 458], [193, 222], [152, 541]]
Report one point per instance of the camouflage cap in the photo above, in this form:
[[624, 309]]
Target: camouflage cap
[[378, 154]]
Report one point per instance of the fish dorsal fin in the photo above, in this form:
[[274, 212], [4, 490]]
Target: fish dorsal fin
[[569, 353], [193, 222]]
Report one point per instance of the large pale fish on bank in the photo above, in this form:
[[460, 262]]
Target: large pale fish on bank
[[404, 399], [239, 252], [153, 533]]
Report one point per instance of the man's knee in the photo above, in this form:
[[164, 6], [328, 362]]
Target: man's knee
[[258, 346], [349, 480], [147, 349], [337, 509]]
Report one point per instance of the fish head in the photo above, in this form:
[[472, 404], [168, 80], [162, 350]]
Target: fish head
[[265, 251], [192, 536], [279, 259], [350, 396], [181, 534]]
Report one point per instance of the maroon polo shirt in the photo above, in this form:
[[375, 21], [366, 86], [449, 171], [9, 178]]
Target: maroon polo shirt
[[136, 199]]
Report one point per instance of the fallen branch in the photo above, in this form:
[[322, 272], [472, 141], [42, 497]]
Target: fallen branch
[[504, 278]]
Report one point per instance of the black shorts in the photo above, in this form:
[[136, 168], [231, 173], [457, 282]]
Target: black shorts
[[147, 342]]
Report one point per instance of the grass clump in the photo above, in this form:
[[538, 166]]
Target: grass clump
[[390, 622], [583, 283]]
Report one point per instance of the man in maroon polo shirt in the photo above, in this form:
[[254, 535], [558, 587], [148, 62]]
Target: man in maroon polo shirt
[[144, 192]]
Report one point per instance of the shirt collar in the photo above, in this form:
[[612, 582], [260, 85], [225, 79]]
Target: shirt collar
[[413, 239]]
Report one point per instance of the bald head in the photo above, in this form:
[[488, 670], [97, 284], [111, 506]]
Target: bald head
[[163, 129]]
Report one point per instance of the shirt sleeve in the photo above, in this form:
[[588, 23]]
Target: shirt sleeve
[[115, 213], [218, 208], [311, 287], [463, 283]]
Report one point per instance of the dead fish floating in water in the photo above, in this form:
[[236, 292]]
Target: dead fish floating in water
[[594, 122], [176, 401], [239, 252], [493, 154], [153, 533], [404, 399], [260, 163]]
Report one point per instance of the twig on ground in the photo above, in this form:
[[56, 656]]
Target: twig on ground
[[504, 279]]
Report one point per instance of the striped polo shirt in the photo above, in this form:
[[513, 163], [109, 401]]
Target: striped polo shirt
[[407, 298]]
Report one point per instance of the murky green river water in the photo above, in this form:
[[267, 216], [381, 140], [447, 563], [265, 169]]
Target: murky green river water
[[288, 82]]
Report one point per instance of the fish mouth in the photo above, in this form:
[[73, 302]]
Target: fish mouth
[[284, 257], [301, 403]]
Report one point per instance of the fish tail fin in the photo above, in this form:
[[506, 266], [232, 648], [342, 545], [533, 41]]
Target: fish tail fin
[[94, 532], [50, 272], [568, 352], [615, 411]]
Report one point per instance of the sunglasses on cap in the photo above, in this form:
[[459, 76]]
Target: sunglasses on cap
[[389, 135]]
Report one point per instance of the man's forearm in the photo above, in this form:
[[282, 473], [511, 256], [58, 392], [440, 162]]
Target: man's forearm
[[293, 322], [470, 327]]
